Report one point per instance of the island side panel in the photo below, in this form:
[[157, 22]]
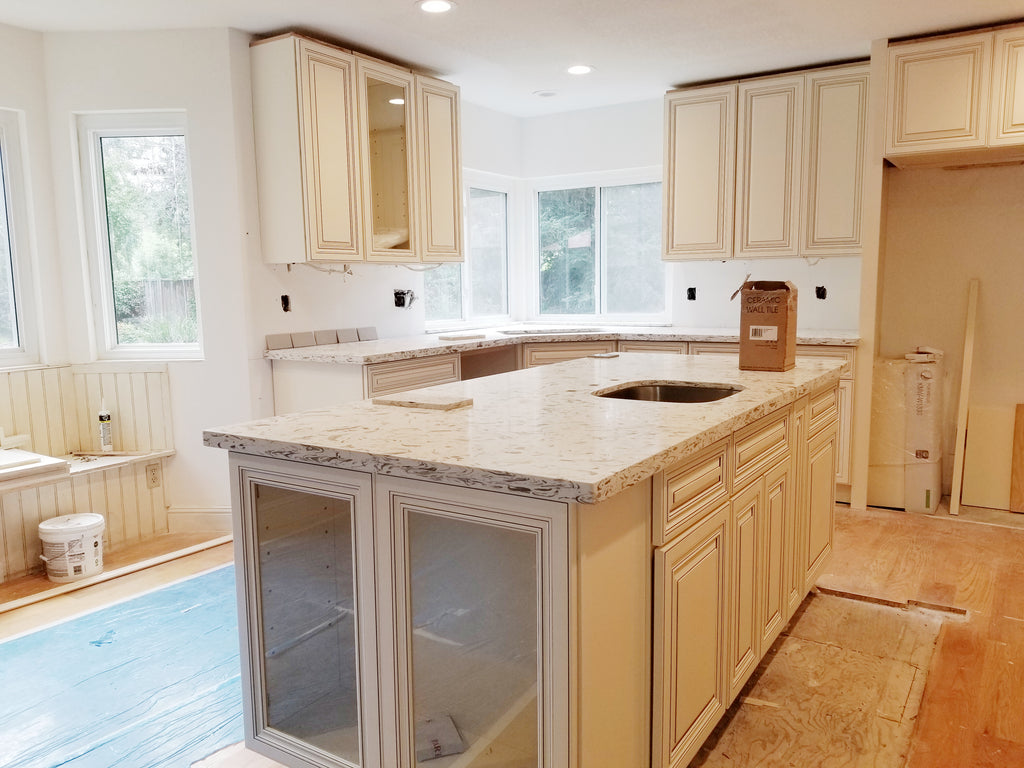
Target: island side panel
[[611, 644]]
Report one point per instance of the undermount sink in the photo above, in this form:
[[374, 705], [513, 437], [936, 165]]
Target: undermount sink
[[672, 392]]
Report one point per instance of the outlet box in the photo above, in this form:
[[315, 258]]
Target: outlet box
[[153, 475]]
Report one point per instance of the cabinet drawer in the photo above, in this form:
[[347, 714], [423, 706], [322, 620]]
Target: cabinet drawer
[[823, 410], [846, 354], [684, 492], [400, 375], [760, 445], [671, 347], [547, 352]]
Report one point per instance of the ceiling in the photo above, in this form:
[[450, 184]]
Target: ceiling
[[501, 52]]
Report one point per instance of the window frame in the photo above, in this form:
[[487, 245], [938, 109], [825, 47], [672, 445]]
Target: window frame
[[27, 303], [511, 188], [91, 128], [597, 181]]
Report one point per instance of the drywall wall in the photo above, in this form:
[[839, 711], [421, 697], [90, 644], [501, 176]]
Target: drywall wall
[[24, 90], [943, 228], [196, 71]]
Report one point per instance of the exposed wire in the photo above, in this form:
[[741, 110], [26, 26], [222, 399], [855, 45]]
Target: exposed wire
[[345, 271]]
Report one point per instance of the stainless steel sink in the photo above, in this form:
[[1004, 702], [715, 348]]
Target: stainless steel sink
[[672, 392]]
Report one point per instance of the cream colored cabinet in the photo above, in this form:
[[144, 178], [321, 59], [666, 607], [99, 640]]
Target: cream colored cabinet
[[378, 176], [747, 510], [307, 158], [768, 164], [700, 159], [403, 375], [440, 175], [796, 156], [691, 606], [548, 352], [1007, 124], [667, 347], [819, 512], [957, 99]]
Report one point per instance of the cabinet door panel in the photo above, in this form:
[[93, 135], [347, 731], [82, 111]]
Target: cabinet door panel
[[691, 605], [743, 645], [440, 170], [937, 94], [548, 352], [821, 501], [331, 167], [1008, 104], [768, 161], [835, 136], [778, 513], [699, 188]]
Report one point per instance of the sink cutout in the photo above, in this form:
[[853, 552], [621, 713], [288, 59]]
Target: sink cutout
[[671, 392]]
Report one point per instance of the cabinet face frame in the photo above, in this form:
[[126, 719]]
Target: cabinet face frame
[[769, 166], [548, 521], [952, 71], [369, 69], [699, 172], [1007, 123], [246, 473]]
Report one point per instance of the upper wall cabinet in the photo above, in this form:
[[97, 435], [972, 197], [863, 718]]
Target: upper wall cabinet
[[357, 159], [956, 100], [766, 167]]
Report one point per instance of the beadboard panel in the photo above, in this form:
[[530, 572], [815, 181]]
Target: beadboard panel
[[138, 398], [133, 512], [35, 402]]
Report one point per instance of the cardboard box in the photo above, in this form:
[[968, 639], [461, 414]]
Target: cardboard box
[[767, 325]]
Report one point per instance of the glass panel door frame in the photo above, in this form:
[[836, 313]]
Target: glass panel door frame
[[248, 472], [396, 500]]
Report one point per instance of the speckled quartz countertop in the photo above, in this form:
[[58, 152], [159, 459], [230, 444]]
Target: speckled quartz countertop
[[427, 344], [538, 431]]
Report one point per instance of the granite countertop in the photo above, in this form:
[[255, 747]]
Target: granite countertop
[[427, 344], [538, 431]]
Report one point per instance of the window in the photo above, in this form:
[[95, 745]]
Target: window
[[136, 175], [16, 340], [599, 251], [478, 288]]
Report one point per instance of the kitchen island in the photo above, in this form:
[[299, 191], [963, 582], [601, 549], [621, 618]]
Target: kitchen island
[[515, 570]]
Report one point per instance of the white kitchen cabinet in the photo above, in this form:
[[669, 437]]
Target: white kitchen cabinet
[[1007, 123], [937, 94], [307, 158], [835, 138], [357, 159], [691, 621], [785, 179], [819, 498], [547, 352], [304, 546], [956, 99], [700, 159], [666, 347], [768, 166]]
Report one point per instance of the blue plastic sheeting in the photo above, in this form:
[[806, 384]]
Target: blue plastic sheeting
[[153, 681]]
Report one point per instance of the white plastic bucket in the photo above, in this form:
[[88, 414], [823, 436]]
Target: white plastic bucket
[[72, 546]]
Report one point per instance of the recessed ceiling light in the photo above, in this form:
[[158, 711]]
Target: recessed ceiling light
[[436, 6], [545, 94], [580, 69], [396, 102]]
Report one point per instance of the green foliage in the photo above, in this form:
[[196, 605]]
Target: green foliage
[[158, 330], [567, 251]]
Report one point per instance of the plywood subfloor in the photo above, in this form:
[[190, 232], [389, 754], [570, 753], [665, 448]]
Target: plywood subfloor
[[840, 687], [972, 712]]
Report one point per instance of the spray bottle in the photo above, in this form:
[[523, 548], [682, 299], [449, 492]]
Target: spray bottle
[[106, 440]]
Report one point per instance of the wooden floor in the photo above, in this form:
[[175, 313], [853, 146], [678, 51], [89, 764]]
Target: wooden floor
[[972, 712]]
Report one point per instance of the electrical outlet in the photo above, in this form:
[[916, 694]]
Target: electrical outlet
[[153, 475]]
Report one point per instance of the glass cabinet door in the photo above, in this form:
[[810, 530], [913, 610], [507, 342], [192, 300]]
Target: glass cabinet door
[[311, 631], [477, 674], [387, 109]]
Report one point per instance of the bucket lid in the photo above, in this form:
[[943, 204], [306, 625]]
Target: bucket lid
[[71, 522]]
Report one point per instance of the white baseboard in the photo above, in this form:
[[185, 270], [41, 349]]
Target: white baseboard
[[199, 520]]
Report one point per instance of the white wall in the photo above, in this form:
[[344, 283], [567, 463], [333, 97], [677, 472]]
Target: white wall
[[24, 89], [197, 71]]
